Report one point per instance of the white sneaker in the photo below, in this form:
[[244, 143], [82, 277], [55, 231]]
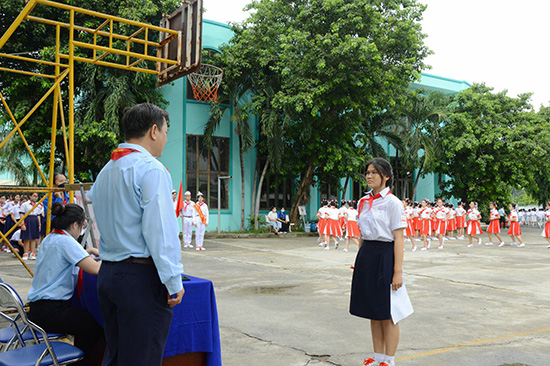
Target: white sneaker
[[418, 239], [489, 244], [440, 247], [429, 243], [522, 245], [345, 250], [32, 257], [322, 244], [470, 245], [327, 247], [479, 241], [25, 257], [413, 249], [424, 248], [198, 248], [514, 244], [452, 238], [407, 239], [501, 245], [202, 248], [336, 246]]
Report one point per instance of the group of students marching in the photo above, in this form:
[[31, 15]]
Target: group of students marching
[[334, 220], [194, 214], [440, 220], [426, 221]]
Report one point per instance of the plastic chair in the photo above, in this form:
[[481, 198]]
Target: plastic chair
[[43, 354]]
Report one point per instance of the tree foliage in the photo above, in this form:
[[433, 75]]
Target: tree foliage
[[492, 142], [319, 68]]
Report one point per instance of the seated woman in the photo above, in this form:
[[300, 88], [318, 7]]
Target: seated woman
[[281, 217], [272, 220], [54, 282]]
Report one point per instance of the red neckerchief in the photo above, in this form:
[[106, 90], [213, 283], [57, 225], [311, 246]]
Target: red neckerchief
[[185, 204], [370, 199], [61, 232], [119, 153]]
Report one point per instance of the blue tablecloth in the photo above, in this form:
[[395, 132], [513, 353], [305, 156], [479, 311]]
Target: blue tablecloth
[[194, 325]]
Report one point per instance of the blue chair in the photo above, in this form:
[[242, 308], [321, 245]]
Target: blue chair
[[43, 354]]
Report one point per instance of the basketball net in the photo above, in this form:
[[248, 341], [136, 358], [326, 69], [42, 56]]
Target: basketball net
[[205, 83]]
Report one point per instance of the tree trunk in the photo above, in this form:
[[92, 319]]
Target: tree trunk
[[254, 187], [241, 158], [259, 194], [345, 188], [303, 194], [416, 183]]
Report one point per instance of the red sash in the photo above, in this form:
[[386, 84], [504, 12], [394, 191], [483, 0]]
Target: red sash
[[57, 231], [119, 153], [201, 214], [370, 199]]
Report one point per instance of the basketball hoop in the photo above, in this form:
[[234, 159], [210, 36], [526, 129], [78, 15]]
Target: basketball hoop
[[205, 83]]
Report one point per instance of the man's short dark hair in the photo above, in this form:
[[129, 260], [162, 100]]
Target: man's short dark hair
[[138, 119]]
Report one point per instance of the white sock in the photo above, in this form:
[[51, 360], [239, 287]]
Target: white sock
[[390, 360], [379, 357]]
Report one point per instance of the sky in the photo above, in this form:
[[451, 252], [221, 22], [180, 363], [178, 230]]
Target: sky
[[503, 43]]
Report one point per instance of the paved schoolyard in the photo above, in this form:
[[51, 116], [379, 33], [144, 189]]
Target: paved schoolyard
[[284, 301]]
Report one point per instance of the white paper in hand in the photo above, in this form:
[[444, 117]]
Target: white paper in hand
[[401, 306]]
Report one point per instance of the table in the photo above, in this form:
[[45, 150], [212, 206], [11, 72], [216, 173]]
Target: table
[[194, 336]]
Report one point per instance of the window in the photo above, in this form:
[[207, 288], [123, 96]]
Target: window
[[276, 191], [204, 166]]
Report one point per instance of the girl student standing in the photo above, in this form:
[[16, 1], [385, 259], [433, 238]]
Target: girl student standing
[[322, 223], [460, 220], [451, 223], [474, 227], [426, 224], [416, 221], [515, 229], [378, 265], [546, 230], [55, 278], [441, 214], [409, 214], [352, 229], [494, 226], [333, 229], [32, 224]]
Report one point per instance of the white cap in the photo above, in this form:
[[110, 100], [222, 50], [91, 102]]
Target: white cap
[[187, 193], [173, 191], [200, 194]]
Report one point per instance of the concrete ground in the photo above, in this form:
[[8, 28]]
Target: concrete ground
[[283, 301]]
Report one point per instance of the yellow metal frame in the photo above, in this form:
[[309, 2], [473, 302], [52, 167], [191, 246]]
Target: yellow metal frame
[[64, 69]]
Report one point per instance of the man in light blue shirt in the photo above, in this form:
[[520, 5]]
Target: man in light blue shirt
[[140, 278]]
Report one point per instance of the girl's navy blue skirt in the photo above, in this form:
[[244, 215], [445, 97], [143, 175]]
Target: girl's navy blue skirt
[[372, 277]]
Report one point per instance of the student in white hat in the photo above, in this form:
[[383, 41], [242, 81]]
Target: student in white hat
[[200, 220], [187, 213]]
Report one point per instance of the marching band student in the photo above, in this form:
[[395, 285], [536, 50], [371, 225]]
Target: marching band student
[[333, 229], [187, 213], [441, 214], [460, 220], [33, 226], [546, 230], [13, 215], [200, 220], [409, 214], [379, 262], [451, 223], [352, 229], [322, 223], [343, 208], [515, 229], [416, 221], [494, 226], [474, 227], [426, 224]]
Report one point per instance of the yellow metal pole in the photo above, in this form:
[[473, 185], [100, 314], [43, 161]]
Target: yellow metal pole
[[63, 129], [26, 10], [62, 76], [71, 106]]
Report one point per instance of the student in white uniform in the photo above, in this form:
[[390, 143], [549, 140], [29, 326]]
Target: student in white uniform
[[187, 213], [378, 265], [200, 220], [546, 231], [31, 234]]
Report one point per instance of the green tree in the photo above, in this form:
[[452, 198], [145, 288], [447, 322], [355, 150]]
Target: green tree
[[325, 62], [422, 117], [491, 142]]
